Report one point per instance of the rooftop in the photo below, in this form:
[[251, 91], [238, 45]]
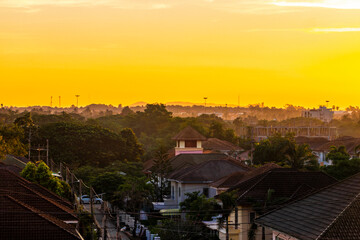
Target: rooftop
[[208, 171], [330, 213], [189, 133]]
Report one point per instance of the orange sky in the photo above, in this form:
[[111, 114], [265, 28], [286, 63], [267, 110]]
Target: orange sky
[[301, 52]]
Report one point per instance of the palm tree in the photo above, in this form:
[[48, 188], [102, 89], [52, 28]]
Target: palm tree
[[301, 156]]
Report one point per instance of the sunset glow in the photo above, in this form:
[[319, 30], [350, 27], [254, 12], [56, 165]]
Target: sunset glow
[[299, 52]]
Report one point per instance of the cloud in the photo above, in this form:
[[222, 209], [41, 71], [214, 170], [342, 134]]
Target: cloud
[[336, 4]]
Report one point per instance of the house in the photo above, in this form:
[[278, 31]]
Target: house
[[234, 179], [263, 192], [329, 213], [36, 213], [321, 146], [199, 177], [188, 140]]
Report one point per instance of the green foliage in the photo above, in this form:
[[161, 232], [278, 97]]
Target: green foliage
[[285, 152], [184, 230], [343, 167], [199, 207], [42, 175], [337, 154], [108, 183], [79, 144], [161, 168], [87, 226], [133, 194], [11, 141]]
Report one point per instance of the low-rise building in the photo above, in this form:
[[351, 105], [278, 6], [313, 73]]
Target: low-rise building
[[266, 191], [330, 213], [323, 113]]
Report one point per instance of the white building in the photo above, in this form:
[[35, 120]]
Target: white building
[[323, 113]]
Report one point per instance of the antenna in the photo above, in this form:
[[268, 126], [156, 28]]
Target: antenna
[[77, 100]]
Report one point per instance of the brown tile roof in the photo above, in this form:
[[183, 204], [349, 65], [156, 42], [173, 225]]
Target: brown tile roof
[[31, 194], [330, 213], [189, 133], [286, 183], [238, 177], [208, 171], [216, 144], [21, 221], [187, 160]]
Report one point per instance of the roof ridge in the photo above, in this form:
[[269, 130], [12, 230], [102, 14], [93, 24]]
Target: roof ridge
[[264, 175], [45, 216], [337, 217], [62, 207], [308, 195]]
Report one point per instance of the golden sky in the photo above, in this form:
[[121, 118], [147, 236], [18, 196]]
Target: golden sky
[[300, 52]]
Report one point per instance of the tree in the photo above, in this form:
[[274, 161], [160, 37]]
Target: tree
[[11, 137], [159, 171], [357, 151], [301, 157], [184, 230], [42, 175], [79, 144], [133, 195], [199, 207], [126, 111], [108, 183], [285, 152], [343, 168], [337, 154]]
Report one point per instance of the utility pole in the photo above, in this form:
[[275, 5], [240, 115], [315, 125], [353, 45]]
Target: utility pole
[[205, 98], [47, 152], [77, 100], [59, 101], [227, 228], [29, 143], [51, 101]]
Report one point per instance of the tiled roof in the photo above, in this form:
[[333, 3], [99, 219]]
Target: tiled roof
[[33, 211], [187, 160], [238, 177], [208, 171], [189, 133], [330, 213], [29, 193], [14, 169], [20, 221], [322, 144], [286, 183], [216, 144]]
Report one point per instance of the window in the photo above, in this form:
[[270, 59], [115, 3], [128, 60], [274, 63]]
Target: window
[[252, 216], [172, 192], [190, 144], [179, 191], [206, 192]]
